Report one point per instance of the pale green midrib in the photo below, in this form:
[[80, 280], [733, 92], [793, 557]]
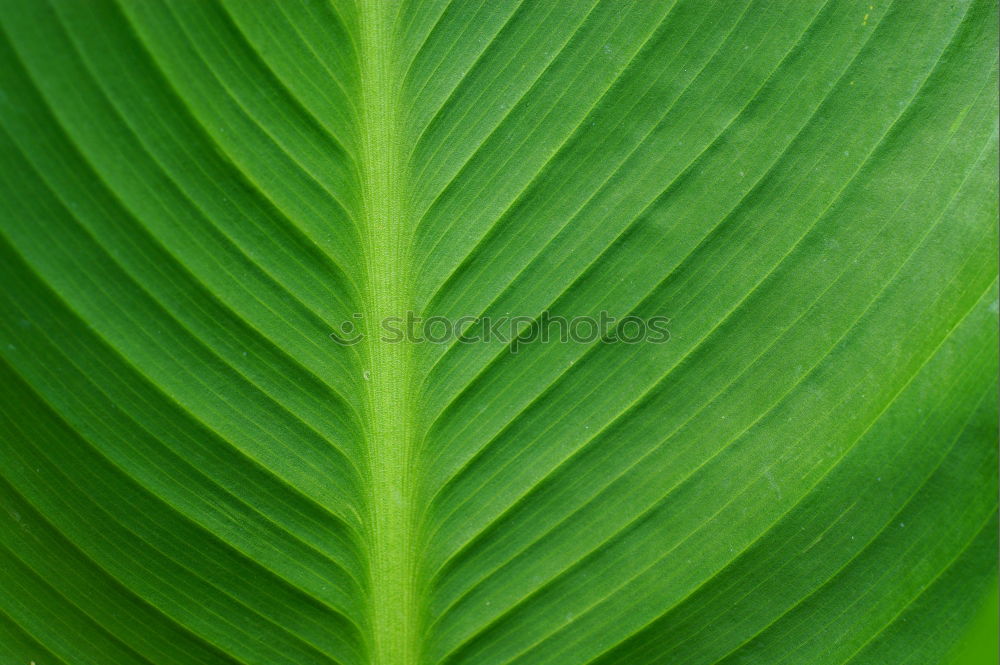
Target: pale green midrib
[[393, 619]]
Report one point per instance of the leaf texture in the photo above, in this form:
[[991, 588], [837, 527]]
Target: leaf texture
[[194, 194]]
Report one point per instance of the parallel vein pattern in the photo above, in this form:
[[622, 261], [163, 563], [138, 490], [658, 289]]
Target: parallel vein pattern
[[194, 194]]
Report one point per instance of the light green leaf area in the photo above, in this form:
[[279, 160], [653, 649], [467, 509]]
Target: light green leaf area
[[194, 194]]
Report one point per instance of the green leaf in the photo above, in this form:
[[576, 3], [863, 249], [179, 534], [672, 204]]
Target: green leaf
[[216, 217]]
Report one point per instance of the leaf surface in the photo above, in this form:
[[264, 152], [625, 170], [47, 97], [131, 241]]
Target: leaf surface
[[201, 200]]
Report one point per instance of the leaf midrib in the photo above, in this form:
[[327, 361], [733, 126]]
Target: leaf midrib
[[389, 440]]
